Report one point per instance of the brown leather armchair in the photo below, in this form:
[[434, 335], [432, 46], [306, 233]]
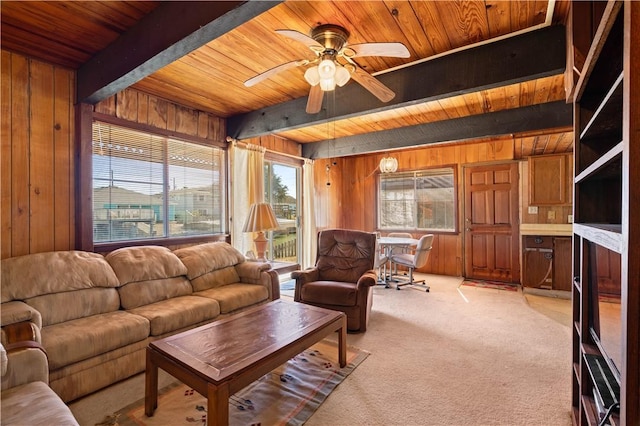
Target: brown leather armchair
[[343, 277]]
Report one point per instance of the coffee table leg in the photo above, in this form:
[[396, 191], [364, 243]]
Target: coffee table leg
[[218, 404], [150, 386], [342, 343]]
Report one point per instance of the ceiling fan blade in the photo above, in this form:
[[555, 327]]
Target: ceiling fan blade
[[396, 50], [314, 103], [302, 38], [273, 71], [373, 85]]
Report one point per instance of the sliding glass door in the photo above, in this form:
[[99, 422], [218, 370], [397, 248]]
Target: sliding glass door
[[282, 191]]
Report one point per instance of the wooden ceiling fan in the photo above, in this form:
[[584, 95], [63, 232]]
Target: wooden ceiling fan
[[334, 63]]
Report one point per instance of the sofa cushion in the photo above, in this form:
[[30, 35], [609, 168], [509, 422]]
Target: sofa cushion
[[176, 313], [134, 264], [215, 279], [142, 293], [77, 304], [211, 265], [148, 274], [34, 404], [82, 338], [36, 274], [236, 296]]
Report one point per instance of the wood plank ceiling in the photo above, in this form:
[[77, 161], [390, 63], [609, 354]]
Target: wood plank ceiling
[[211, 77]]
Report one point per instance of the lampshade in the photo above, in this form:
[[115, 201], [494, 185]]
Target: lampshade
[[327, 84], [327, 69], [312, 76], [342, 76], [388, 165], [260, 218]]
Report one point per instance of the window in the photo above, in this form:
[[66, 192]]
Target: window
[[422, 200], [147, 186]]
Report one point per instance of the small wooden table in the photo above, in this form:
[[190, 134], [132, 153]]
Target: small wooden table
[[219, 359]]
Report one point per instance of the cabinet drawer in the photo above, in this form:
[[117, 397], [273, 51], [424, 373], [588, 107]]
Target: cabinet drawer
[[533, 242]]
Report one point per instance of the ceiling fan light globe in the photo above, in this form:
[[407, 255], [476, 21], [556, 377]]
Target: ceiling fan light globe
[[327, 69], [327, 84], [312, 76], [342, 76]]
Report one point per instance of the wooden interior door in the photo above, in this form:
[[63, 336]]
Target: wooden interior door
[[491, 223]]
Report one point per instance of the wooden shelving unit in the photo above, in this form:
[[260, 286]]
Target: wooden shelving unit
[[606, 206]]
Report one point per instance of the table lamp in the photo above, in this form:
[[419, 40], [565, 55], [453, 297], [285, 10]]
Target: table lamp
[[261, 218]]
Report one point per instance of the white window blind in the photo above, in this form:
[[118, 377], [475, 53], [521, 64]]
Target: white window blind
[[147, 186], [420, 200]]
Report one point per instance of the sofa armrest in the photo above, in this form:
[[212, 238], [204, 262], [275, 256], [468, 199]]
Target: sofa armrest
[[23, 362], [19, 322], [260, 273]]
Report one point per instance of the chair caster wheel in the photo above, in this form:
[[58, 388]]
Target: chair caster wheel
[[398, 288], [427, 290]]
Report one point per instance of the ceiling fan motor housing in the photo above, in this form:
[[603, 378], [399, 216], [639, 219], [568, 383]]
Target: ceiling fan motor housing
[[332, 37]]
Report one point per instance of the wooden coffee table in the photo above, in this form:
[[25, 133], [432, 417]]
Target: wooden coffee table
[[219, 359]]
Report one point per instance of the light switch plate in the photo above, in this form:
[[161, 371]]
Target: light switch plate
[[551, 215], [570, 218], [533, 209]]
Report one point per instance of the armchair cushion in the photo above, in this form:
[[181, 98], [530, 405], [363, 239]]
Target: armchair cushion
[[345, 255], [330, 293]]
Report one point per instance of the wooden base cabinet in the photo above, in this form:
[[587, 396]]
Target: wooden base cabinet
[[547, 262]]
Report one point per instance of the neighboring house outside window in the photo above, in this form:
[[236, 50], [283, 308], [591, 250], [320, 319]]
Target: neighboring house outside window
[[418, 201], [147, 186]]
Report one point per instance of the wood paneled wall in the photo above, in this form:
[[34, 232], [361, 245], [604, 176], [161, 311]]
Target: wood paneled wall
[[37, 157], [37, 162], [141, 108], [346, 191]]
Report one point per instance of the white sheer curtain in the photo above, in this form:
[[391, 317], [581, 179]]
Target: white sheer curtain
[[309, 244], [247, 187]]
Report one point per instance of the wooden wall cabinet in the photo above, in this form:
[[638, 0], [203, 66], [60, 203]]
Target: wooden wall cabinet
[[606, 240], [549, 180]]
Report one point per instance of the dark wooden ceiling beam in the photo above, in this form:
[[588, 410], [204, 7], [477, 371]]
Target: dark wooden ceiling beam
[[525, 57], [535, 117], [168, 33]]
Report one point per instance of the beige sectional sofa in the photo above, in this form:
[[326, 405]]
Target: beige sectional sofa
[[95, 315]]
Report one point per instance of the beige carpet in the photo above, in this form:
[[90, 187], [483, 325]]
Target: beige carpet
[[457, 355]]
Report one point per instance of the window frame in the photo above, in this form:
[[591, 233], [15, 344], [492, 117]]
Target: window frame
[[85, 228], [456, 219]]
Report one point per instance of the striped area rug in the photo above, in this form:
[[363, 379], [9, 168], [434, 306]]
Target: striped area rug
[[289, 395]]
